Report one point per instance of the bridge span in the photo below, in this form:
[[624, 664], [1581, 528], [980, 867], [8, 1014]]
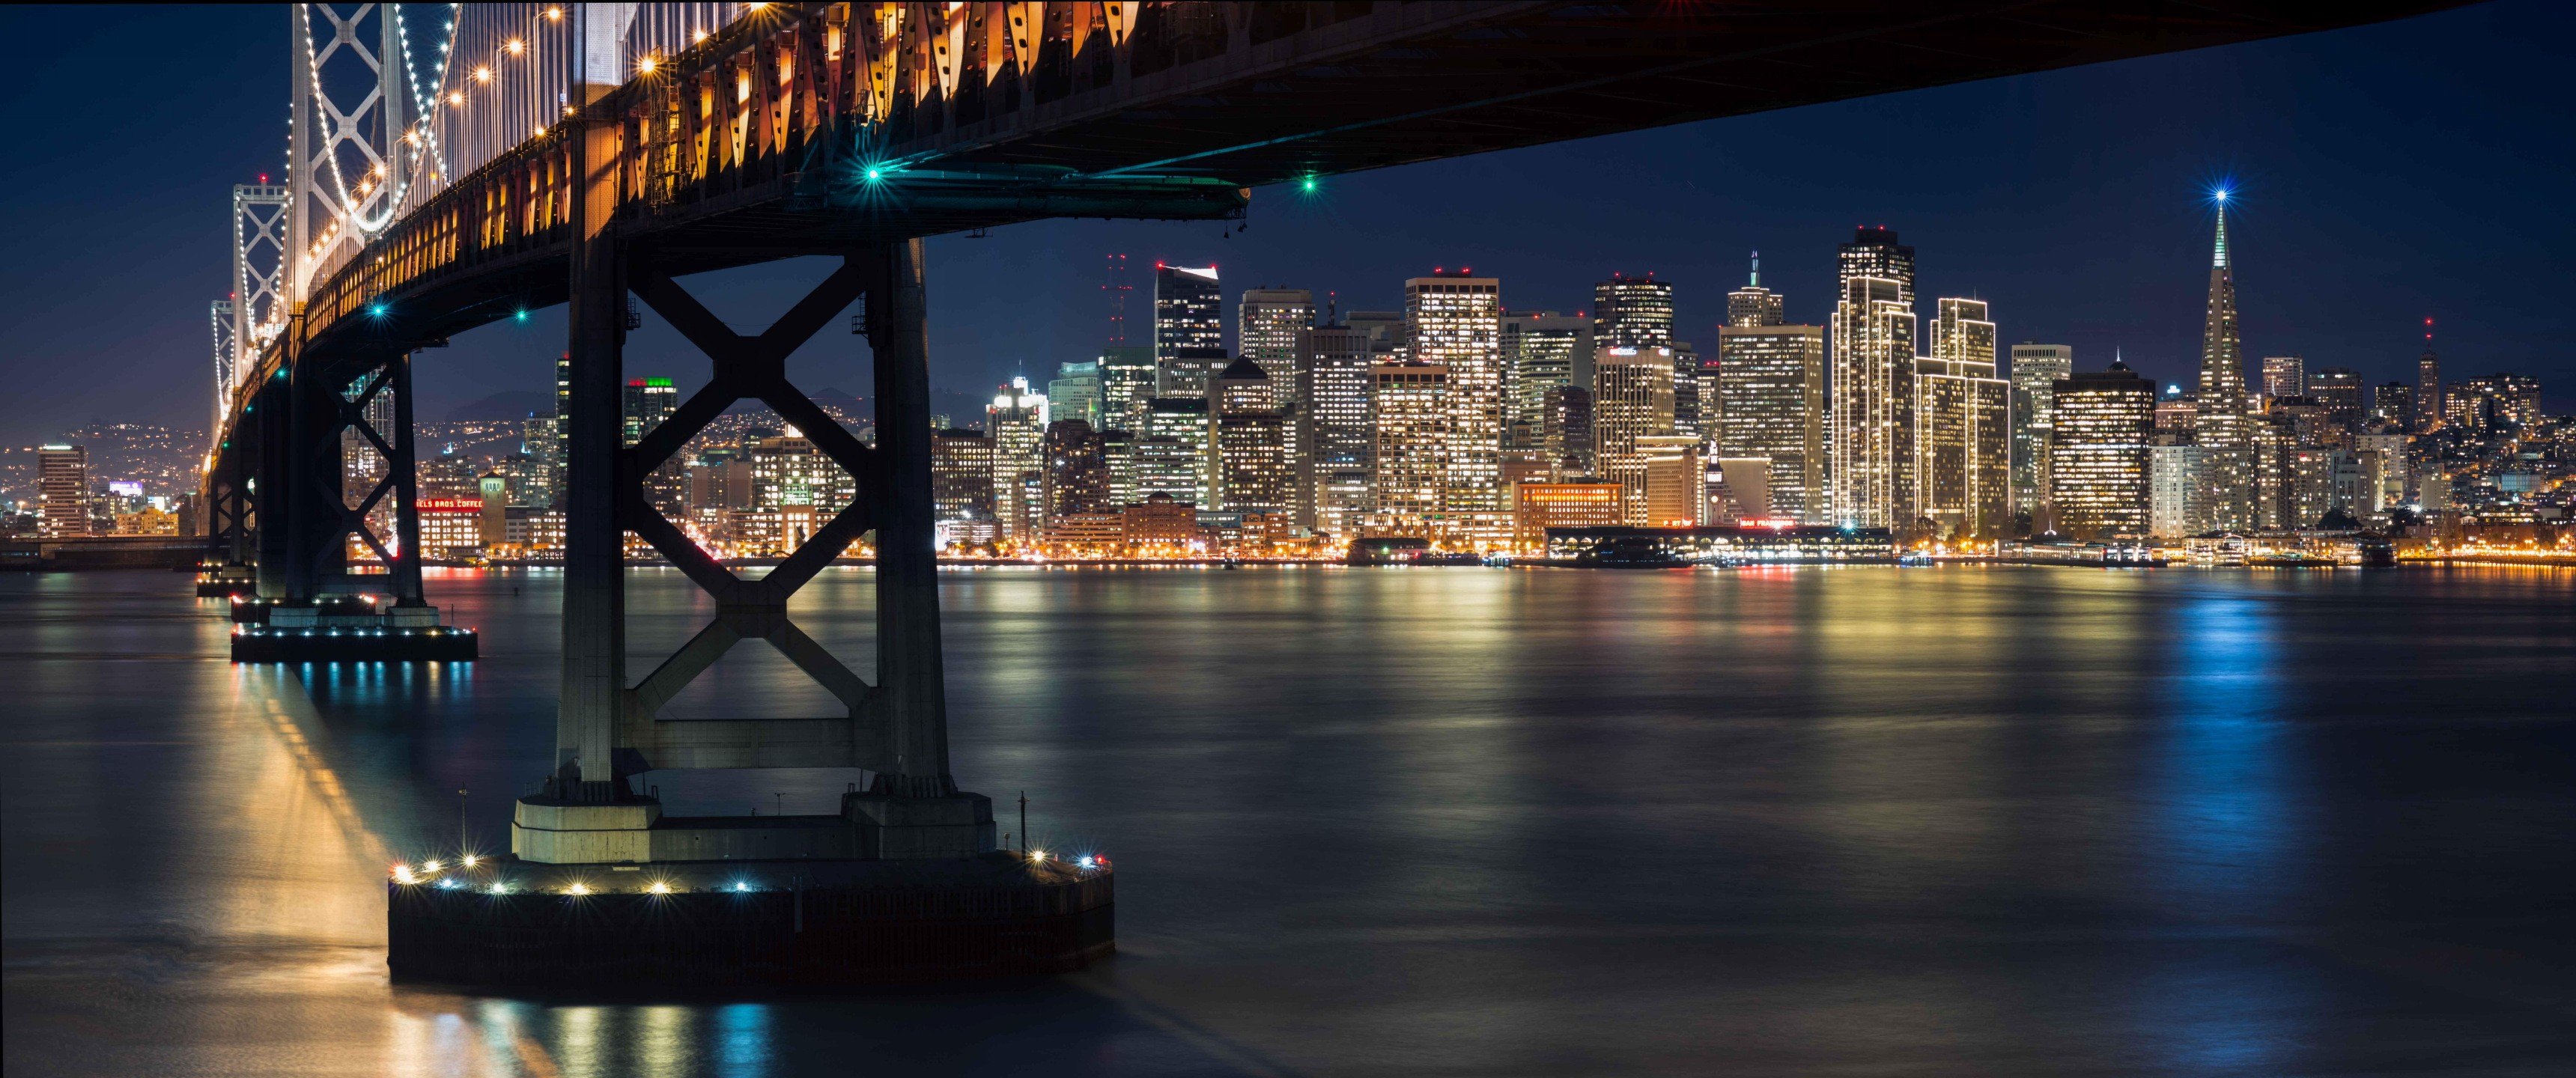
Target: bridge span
[[853, 130]]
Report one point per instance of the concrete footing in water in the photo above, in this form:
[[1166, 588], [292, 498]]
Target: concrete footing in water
[[731, 925]]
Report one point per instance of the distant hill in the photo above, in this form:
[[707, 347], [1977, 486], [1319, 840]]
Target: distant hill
[[507, 404]]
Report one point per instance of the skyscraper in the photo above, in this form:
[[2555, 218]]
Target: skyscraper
[[1632, 398], [648, 402], [1541, 351], [1632, 312], [2098, 452], [1017, 421], [1771, 390], [1248, 468], [2036, 370], [62, 481], [2428, 385], [1126, 383], [1410, 415], [1455, 321], [2226, 484], [1333, 427], [1076, 479], [1266, 324], [2392, 405], [1075, 393], [961, 478], [2284, 376], [2339, 389], [1565, 431], [1189, 330], [1963, 425], [1172, 457], [1872, 396], [1754, 305]]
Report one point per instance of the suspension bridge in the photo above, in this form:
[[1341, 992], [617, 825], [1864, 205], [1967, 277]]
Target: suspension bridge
[[449, 166]]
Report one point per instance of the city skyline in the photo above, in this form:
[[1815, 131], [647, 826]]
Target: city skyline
[[2108, 207]]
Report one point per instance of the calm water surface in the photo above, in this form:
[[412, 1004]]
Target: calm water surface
[[1860, 821]]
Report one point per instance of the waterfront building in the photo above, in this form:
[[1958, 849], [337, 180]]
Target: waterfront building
[[1017, 422], [2271, 465], [1075, 393], [1723, 544], [2173, 466], [2284, 376], [2036, 370], [1174, 427], [1248, 467], [1581, 503], [62, 484], [961, 477], [1160, 526], [1410, 414], [451, 527], [1771, 391], [1454, 320], [541, 445], [1189, 329], [1332, 427], [1632, 399], [1754, 306], [1675, 480], [1872, 395], [1743, 492], [2098, 452], [1963, 425], [2226, 487]]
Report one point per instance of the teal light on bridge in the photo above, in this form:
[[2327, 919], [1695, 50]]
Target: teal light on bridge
[[522, 315], [1307, 185], [376, 310], [875, 174]]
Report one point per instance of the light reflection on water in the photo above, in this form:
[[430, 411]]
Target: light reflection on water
[[1942, 821]]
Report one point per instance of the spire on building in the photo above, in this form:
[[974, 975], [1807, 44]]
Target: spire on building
[[2218, 254], [1756, 282]]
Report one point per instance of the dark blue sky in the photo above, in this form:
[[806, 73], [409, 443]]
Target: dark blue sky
[[2387, 173]]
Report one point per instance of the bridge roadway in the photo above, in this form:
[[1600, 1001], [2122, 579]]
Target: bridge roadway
[[853, 130]]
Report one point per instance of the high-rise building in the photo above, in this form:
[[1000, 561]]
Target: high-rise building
[[1753, 305], [2284, 376], [1632, 312], [1691, 414], [62, 482], [2339, 389], [648, 402], [1075, 393], [1126, 383], [1771, 389], [1565, 431], [1333, 427], [2428, 385], [1410, 414], [2483, 402], [961, 477], [1454, 320], [1541, 351], [1172, 458], [1266, 324], [1675, 480], [1632, 399], [2036, 370], [1189, 330], [2098, 452], [1017, 422], [1872, 395], [1963, 425], [2226, 491], [541, 444], [2177, 412], [2392, 405], [1076, 479], [1248, 467], [2173, 465]]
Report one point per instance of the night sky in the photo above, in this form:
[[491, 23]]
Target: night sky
[[2385, 174]]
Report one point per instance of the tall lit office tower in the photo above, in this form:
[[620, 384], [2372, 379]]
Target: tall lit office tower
[[1266, 324], [2339, 390], [1632, 398], [1126, 383], [2428, 385], [1754, 305], [1017, 421], [1455, 321], [541, 445], [2036, 370], [2392, 406], [1172, 457], [1962, 425], [1693, 413], [1248, 469], [1565, 431], [1333, 427], [2173, 466], [2284, 376], [1075, 393], [1541, 351], [961, 477], [2226, 490], [1872, 396], [1632, 312], [1410, 414], [1189, 330], [1076, 475], [1771, 389], [2098, 452], [648, 402], [1675, 480], [62, 481]]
